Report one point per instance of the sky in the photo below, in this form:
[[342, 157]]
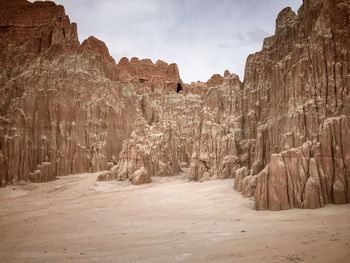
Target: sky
[[202, 37]]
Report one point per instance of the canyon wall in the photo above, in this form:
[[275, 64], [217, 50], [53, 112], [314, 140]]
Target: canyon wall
[[283, 133], [65, 107], [298, 104], [219, 147]]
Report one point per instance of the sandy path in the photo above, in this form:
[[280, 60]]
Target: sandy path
[[76, 219]]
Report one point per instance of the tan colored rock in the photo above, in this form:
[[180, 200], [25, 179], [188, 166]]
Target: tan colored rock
[[249, 186], [140, 176], [294, 98], [151, 151], [288, 90], [47, 171], [61, 102], [184, 165], [98, 48], [261, 191], [313, 197], [240, 174], [35, 176], [105, 176], [333, 158], [2, 170], [160, 78], [215, 80], [277, 194], [283, 133], [218, 149], [64, 103], [309, 176]]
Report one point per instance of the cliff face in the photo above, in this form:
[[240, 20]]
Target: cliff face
[[300, 78], [284, 133], [219, 148], [297, 99], [65, 108]]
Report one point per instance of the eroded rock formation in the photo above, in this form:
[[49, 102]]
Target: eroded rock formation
[[159, 78], [65, 107], [270, 132], [297, 91], [309, 176], [283, 133], [219, 148]]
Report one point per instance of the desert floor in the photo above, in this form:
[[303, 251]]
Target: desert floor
[[76, 219]]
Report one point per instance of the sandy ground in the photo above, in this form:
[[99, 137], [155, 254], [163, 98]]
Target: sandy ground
[[76, 219]]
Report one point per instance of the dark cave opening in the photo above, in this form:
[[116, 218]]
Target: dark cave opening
[[179, 87]]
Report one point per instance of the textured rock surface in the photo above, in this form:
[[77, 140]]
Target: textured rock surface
[[215, 80], [159, 78], [61, 102], [283, 133], [295, 97], [297, 91], [163, 143], [309, 176], [218, 146]]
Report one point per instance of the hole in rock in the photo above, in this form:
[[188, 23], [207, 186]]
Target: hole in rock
[[179, 87]]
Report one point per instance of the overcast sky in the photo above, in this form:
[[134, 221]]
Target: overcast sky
[[202, 36]]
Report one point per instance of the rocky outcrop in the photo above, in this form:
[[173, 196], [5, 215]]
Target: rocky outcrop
[[159, 78], [98, 48], [282, 133], [219, 148], [149, 152], [2, 170], [79, 108], [215, 80], [162, 146], [64, 106], [296, 82], [215, 155], [183, 129], [309, 176], [292, 88], [201, 88], [297, 89]]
